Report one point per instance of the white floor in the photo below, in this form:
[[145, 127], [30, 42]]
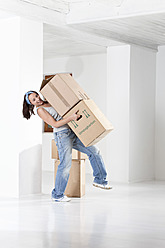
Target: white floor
[[128, 216]]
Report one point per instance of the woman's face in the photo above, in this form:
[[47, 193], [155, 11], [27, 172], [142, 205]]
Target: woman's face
[[35, 99]]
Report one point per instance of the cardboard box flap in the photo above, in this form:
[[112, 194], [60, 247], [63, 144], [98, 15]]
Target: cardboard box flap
[[47, 90], [60, 87], [44, 82], [73, 85]]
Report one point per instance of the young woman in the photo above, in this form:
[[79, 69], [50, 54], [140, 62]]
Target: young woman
[[65, 140]]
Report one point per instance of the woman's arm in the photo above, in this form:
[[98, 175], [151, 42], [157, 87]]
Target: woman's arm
[[46, 117]]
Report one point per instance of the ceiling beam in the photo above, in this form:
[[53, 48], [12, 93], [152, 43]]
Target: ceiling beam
[[56, 5], [97, 10], [33, 11]]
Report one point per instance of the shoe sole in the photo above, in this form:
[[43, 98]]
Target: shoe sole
[[60, 201], [95, 185]]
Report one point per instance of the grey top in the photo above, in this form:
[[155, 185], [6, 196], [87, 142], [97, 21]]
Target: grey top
[[56, 116]]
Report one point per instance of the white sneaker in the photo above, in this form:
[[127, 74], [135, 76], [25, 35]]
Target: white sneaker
[[62, 199], [102, 186]]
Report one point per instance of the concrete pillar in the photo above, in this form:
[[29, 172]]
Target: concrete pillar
[[160, 117], [142, 114], [118, 80], [131, 74]]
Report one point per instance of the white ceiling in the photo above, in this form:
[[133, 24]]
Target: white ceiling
[[56, 45], [147, 31], [78, 27]]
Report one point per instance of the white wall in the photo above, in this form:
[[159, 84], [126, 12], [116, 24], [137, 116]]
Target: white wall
[[142, 114], [90, 72], [160, 116], [21, 59]]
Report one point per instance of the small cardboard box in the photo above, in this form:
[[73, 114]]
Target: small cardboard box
[[75, 154], [92, 126], [76, 183], [62, 92]]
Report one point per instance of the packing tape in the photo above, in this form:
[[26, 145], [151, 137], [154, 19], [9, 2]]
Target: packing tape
[[59, 95]]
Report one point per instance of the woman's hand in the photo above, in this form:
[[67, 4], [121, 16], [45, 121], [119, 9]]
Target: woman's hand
[[74, 116], [46, 117]]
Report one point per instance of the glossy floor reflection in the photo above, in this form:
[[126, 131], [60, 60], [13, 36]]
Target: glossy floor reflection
[[128, 216]]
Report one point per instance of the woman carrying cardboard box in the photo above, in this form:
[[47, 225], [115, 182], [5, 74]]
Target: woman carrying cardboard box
[[65, 140]]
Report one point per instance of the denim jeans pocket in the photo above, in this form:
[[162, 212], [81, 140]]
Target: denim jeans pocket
[[63, 134]]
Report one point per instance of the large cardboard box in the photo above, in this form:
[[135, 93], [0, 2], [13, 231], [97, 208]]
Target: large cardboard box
[[75, 154], [76, 183], [92, 126], [62, 92]]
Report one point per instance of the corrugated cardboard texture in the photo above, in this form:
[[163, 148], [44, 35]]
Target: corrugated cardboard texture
[[63, 92], [93, 125], [76, 183], [75, 154]]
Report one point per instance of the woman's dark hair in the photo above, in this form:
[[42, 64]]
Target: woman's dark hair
[[28, 108]]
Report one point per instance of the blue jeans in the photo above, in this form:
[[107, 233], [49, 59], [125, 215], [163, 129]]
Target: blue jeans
[[65, 141]]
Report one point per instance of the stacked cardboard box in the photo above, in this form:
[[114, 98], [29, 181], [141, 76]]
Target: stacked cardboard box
[[62, 92], [76, 183], [67, 97]]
